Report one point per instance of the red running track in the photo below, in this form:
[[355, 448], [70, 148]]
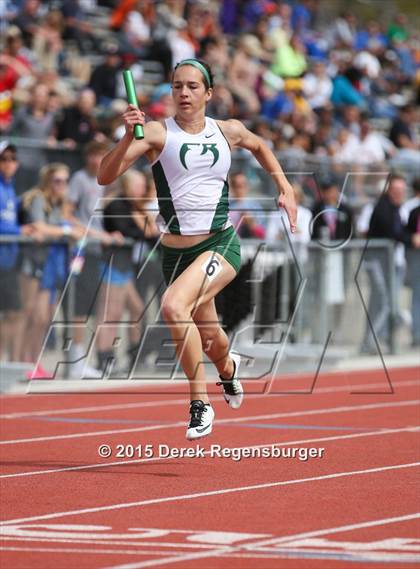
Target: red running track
[[355, 504]]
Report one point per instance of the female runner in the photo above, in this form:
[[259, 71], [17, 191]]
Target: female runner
[[190, 156]]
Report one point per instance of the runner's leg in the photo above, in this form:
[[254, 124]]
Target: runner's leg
[[214, 340], [190, 290]]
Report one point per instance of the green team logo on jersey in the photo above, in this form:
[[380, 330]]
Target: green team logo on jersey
[[207, 147]]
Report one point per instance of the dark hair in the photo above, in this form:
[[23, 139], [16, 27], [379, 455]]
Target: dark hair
[[95, 147], [206, 67], [416, 185], [407, 108], [395, 176], [328, 183]]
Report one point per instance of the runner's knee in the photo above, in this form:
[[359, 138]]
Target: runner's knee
[[172, 307]]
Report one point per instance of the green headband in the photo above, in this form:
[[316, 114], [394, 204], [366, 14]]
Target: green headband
[[198, 66]]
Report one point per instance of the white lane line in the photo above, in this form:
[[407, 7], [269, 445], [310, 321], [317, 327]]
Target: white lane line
[[254, 546], [323, 411], [158, 403], [208, 493], [6, 538], [137, 552], [327, 531], [92, 409], [254, 550], [155, 459], [80, 550], [166, 560]]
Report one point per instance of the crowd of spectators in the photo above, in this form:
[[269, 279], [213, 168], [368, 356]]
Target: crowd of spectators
[[340, 90], [316, 84]]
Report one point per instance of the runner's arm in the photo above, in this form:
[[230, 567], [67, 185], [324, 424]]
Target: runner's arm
[[128, 149], [240, 136]]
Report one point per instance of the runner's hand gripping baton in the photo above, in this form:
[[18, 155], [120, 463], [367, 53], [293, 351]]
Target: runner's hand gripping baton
[[132, 99]]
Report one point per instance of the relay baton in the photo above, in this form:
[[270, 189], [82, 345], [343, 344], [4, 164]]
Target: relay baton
[[132, 99]]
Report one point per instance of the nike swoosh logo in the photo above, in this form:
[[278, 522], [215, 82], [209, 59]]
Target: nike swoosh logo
[[203, 429], [210, 135]]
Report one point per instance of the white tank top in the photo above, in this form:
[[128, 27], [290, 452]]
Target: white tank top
[[191, 180]]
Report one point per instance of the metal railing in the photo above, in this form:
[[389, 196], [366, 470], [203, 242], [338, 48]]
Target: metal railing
[[302, 295], [358, 181]]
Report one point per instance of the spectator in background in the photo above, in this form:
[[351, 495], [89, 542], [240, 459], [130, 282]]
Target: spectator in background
[[139, 36], [413, 266], [344, 92], [246, 214], [77, 28], [323, 140], [104, 77], [332, 221], [385, 223], [244, 73], [372, 35], [85, 195], [47, 42], [15, 49], [28, 19], [345, 149], [331, 217], [343, 31], [181, 44], [54, 103], [119, 13], [280, 27], [11, 70], [139, 22], [349, 118], [215, 51], [34, 123], [412, 203], [317, 86], [171, 13], [44, 270], [8, 12], [367, 62], [371, 150], [201, 22], [366, 149], [301, 16], [77, 124], [402, 131], [161, 102], [14, 64], [221, 106], [124, 214], [289, 59], [294, 91], [10, 297], [397, 30], [262, 33]]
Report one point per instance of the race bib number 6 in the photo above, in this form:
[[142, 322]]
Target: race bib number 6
[[211, 267]]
